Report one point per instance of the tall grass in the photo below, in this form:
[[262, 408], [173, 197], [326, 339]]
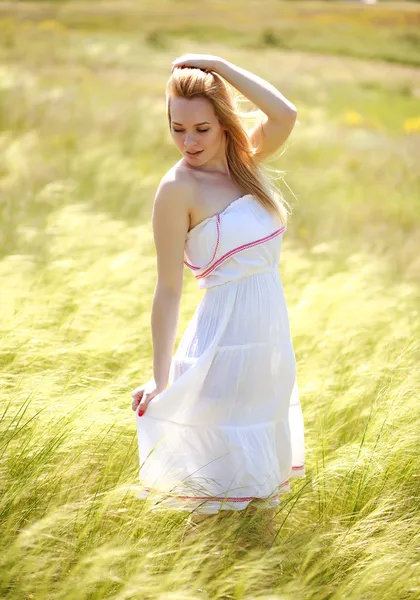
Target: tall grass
[[83, 144]]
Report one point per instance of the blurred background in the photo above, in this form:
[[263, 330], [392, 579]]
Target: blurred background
[[84, 142]]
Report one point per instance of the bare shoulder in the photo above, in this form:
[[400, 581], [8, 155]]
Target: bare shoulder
[[175, 198], [179, 184], [170, 220]]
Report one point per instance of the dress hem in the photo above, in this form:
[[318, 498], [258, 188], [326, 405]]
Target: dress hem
[[212, 504]]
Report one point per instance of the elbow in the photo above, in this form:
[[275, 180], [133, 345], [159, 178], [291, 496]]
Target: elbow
[[287, 115], [292, 119]]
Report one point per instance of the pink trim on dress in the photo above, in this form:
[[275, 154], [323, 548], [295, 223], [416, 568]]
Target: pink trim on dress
[[215, 250], [238, 249], [224, 498]]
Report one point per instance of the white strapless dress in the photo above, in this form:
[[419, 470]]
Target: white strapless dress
[[228, 429]]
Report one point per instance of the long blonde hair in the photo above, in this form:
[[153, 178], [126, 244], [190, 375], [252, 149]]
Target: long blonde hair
[[242, 158]]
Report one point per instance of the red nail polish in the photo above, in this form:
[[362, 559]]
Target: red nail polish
[[141, 413]]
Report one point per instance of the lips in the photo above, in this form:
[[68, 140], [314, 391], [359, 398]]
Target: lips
[[195, 153]]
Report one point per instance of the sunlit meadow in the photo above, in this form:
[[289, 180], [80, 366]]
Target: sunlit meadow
[[84, 142]]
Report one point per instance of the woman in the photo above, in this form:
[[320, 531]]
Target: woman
[[220, 424]]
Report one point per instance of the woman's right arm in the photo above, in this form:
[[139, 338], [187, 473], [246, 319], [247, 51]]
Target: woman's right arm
[[170, 222]]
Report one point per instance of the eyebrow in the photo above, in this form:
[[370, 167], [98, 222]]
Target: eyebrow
[[203, 123]]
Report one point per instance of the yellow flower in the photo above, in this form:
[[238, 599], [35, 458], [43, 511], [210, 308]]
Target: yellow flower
[[411, 125], [353, 118]]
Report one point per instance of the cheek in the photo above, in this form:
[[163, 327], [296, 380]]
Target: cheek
[[177, 141], [212, 140]]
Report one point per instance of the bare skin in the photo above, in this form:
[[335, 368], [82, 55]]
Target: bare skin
[[208, 173]]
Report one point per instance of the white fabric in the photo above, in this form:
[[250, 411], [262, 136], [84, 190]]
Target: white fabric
[[229, 426]]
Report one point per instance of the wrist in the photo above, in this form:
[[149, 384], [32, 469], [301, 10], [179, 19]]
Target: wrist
[[161, 386], [152, 384]]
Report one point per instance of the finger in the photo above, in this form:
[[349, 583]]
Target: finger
[[136, 396], [142, 406]]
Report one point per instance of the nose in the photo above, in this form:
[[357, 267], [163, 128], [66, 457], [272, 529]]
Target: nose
[[189, 140]]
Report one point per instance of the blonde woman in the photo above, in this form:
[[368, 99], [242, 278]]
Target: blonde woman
[[220, 425]]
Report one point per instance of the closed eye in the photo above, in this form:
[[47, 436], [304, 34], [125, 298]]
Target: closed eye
[[200, 130]]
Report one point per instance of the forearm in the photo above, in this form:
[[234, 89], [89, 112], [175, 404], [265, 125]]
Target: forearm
[[258, 91], [164, 321]]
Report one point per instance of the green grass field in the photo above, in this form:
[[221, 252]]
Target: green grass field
[[84, 142]]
